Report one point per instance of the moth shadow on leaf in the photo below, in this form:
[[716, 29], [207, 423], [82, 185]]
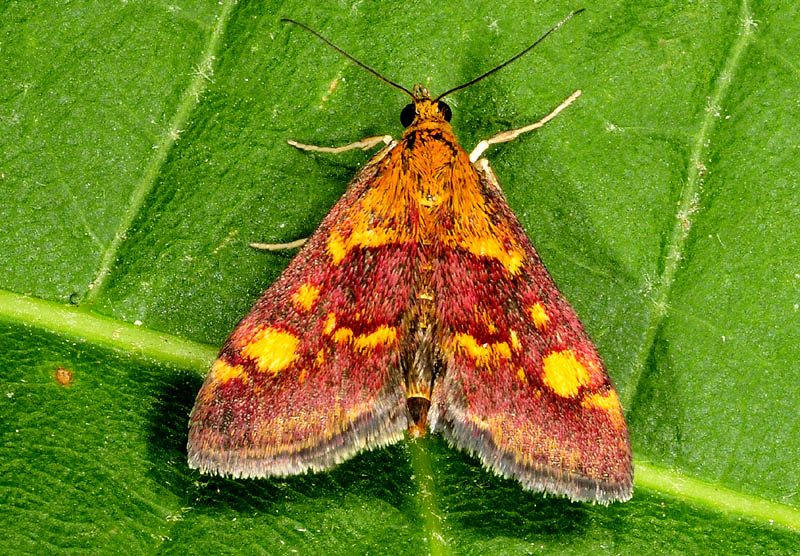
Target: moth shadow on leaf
[[490, 506], [383, 474], [379, 474], [168, 424]]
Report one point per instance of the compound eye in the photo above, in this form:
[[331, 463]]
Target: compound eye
[[445, 111], [408, 114]]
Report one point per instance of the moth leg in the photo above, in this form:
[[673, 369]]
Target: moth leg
[[364, 144], [514, 133], [280, 246], [485, 168]]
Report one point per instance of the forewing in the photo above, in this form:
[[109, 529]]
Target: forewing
[[310, 376], [523, 387]]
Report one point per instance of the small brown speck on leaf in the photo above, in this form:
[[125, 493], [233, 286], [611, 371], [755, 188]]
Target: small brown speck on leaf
[[64, 376]]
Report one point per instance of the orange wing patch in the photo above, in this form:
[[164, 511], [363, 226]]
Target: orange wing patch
[[337, 248], [606, 402], [449, 196], [221, 373], [490, 247], [384, 335], [371, 221]]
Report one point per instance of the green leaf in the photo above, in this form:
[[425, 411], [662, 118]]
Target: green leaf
[[144, 146]]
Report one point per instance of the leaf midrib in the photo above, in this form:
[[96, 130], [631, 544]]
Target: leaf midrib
[[149, 345]]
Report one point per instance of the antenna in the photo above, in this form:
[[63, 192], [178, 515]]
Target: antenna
[[454, 89], [346, 55], [504, 64]]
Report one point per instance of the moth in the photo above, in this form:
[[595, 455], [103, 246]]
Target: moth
[[418, 304]]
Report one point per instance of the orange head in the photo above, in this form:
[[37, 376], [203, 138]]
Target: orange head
[[424, 109]]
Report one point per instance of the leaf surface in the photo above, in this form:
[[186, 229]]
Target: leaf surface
[[144, 147]]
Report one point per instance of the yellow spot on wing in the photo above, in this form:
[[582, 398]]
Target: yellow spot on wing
[[383, 335], [515, 343], [330, 324], [608, 401], [371, 237], [539, 316], [521, 375], [343, 335], [563, 373], [272, 350], [222, 372], [487, 246], [305, 296], [336, 247], [514, 262], [482, 354]]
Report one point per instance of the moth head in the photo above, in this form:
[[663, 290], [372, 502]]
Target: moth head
[[424, 107]]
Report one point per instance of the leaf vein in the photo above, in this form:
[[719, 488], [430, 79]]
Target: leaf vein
[[190, 99], [688, 201]]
